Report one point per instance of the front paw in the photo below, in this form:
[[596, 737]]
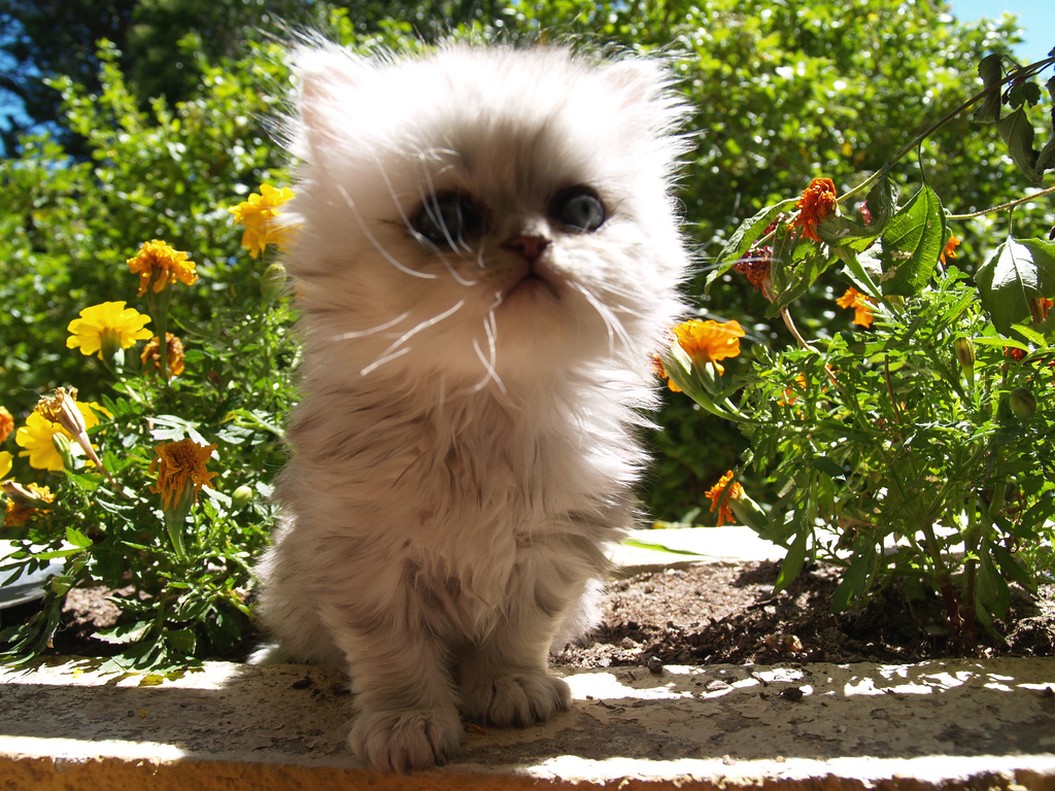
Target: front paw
[[403, 741], [516, 699]]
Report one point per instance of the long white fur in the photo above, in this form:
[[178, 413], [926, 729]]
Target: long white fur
[[465, 450]]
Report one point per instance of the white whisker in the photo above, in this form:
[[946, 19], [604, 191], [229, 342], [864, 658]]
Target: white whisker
[[377, 245], [611, 321], [391, 352], [346, 336], [384, 358]]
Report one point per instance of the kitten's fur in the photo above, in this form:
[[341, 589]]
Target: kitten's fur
[[465, 447]]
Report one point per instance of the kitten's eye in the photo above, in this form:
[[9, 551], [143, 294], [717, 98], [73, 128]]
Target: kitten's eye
[[447, 218], [578, 208]]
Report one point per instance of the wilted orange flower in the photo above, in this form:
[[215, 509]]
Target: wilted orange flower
[[721, 496], [817, 202], [24, 501], [755, 266], [950, 249], [181, 470], [861, 304], [258, 214], [709, 341], [7, 423], [151, 356], [159, 266]]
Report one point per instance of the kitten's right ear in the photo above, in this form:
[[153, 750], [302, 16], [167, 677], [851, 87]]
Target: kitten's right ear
[[327, 76]]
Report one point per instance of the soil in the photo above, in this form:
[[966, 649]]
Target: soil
[[725, 613]]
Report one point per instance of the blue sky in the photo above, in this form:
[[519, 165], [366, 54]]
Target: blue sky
[[1036, 18]]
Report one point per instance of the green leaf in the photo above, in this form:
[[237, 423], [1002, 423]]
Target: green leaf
[[1017, 132], [747, 235], [838, 231], [1011, 567], [1019, 271], [857, 577], [182, 640], [633, 542], [991, 70], [122, 634], [795, 559], [796, 265], [992, 593], [912, 244], [77, 538]]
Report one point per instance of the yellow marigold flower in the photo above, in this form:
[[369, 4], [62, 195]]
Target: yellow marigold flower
[[817, 202], [159, 266], [24, 501], [36, 438], [709, 341], [949, 250], [6, 461], [721, 496], [106, 328], [181, 471], [7, 423], [258, 214], [151, 356], [861, 305]]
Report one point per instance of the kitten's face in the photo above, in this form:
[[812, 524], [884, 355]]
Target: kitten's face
[[485, 214]]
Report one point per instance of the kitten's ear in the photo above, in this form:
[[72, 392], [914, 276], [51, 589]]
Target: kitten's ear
[[327, 77], [640, 82]]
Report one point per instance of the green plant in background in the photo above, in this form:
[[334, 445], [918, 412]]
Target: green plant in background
[[916, 447], [131, 502]]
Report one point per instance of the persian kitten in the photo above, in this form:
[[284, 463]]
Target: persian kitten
[[487, 259]]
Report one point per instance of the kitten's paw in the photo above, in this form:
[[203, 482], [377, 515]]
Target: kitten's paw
[[516, 699], [403, 741]]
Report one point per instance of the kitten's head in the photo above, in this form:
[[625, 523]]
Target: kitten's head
[[485, 215]]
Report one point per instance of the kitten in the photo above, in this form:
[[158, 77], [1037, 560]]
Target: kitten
[[487, 259]]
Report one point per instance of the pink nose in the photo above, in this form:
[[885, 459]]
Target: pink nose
[[530, 247]]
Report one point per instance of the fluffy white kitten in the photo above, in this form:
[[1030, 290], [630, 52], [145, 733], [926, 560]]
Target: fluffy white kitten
[[487, 259]]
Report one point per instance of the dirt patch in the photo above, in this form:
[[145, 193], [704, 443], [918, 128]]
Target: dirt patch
[[722, 613], [729, 613]]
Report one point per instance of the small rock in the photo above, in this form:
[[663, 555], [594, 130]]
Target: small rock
[[654, 665]]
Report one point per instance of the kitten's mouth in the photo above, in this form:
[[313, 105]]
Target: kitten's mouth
[[530, 284]]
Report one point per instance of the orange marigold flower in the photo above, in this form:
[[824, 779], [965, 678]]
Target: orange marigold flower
[[949, 250], [159, 266], [151, 356], [7, 423], [861, 304], [709, 341], [721, 496], [817, 202], [181, 470]]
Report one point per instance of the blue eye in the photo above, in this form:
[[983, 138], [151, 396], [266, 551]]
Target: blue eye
[[448, 218], [578, 208]]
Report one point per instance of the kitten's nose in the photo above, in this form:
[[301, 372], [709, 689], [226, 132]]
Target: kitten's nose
[[529, 246]]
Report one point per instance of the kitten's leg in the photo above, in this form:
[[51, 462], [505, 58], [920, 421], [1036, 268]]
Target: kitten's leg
[[505, 681], [406, 710]]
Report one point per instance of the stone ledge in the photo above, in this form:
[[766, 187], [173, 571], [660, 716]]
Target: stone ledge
[[939, 724]]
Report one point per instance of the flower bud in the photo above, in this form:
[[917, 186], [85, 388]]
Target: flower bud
[[63, 448], [241, 496], [965, 355], [273, 282], [1023, 404]]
